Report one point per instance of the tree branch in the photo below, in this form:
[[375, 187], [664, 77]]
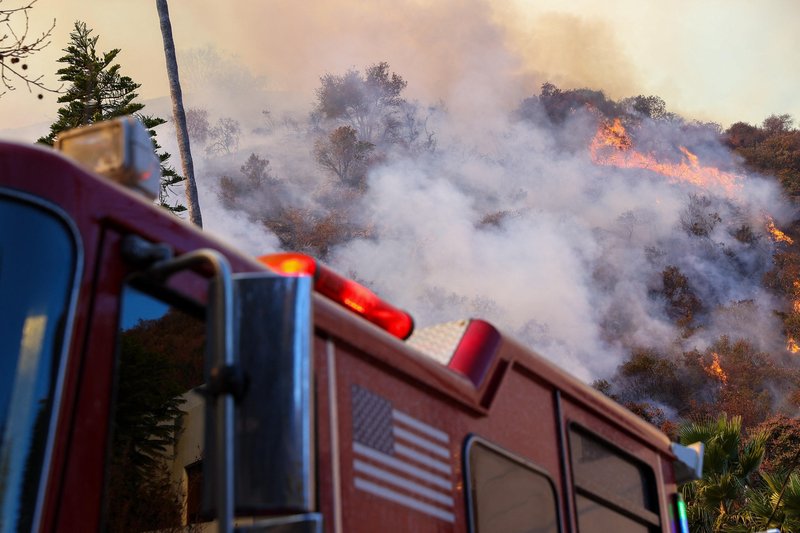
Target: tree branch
[[16, 46]]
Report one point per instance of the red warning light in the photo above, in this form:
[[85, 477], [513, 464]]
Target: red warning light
[[343, 291]]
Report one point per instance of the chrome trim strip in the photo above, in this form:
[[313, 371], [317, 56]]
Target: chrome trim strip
[[302, 523], [336, 469], [566, 464]]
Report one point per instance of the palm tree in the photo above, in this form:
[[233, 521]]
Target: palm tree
[[773, 504], [717, 502], [192, 200]]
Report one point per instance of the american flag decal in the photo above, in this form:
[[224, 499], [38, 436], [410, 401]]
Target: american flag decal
[[400, 458]]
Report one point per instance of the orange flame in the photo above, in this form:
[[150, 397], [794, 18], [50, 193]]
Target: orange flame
[[777, 235], [796, 302], [612, 146], [791, 345], [715, 369]]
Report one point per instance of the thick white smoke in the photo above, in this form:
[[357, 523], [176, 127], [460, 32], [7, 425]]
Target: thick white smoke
[[511, 220], [572, 260]]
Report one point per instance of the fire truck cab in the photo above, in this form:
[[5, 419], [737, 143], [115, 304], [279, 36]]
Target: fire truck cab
[[153, 378]]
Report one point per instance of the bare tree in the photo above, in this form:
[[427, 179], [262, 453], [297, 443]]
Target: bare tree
[[369, 103], [192, 200], [257, 171], [224, 137], [16, 46], [197, 125], [699, 218], [344, 155]]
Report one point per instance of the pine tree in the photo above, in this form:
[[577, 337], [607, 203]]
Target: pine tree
[[97, 91]]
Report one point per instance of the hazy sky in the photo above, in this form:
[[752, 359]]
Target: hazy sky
[[719, 60]]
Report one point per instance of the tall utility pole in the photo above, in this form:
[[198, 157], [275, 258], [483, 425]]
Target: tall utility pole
[[179, 116]]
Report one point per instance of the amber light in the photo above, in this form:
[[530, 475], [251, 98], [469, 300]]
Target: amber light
[[343, 291], [290, 264]]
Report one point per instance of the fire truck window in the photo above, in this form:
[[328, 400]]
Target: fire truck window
[[157, 427], [194, 492], [594, 517], [507, 495], [614, 491], [39, 259]]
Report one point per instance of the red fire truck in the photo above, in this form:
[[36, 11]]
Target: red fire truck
[[155, 379]]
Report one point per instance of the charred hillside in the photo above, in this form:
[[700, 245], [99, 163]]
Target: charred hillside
[[649, 253]]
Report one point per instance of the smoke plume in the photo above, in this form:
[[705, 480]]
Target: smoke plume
[[508, 218]]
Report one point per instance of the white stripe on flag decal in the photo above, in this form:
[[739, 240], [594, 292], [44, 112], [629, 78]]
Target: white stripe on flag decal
[[431, 431], [404, 434], [399, 449], [391, 495], [400, 481], [400, 458], [409, 469]]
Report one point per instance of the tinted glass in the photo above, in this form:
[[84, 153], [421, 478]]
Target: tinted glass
[[596, 465], [38, 262], [614, 491], [507, 495], [594, 517], [157, 421]]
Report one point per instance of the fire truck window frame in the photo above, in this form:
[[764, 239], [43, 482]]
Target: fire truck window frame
[[614, 491], [506, 493], [41, 261], [152, 372]]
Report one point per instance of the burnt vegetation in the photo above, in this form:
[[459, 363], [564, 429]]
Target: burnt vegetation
[[361, 122], [358, 121], [665, 386]]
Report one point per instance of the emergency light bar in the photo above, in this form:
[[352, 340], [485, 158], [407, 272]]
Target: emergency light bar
[[120, 149], [343, 291]]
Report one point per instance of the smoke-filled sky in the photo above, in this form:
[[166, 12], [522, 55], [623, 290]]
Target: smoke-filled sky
[[716, 60]]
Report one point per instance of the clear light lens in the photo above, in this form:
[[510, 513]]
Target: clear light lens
[[99, 149], [119, 149]]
